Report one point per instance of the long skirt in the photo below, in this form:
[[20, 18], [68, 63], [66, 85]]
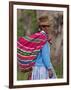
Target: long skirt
[[40, 72]]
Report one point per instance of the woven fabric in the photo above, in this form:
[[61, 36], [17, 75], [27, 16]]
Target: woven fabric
[[28, 48]]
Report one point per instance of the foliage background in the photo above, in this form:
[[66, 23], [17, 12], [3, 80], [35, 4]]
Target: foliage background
[[27, 23]]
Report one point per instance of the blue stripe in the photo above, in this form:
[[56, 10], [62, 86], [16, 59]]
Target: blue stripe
[[24, 62]]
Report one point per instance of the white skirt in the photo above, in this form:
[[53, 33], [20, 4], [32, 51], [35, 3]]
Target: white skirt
[[40, 72]]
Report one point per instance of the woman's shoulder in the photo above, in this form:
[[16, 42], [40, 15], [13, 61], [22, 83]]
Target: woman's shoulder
[[42, 32]]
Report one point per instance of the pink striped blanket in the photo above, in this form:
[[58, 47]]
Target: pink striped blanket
[[28, 48]]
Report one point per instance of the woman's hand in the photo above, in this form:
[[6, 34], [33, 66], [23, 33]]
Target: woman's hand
[[50, 73]]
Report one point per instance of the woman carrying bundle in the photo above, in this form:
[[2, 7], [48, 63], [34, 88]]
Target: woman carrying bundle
[[34, 52]]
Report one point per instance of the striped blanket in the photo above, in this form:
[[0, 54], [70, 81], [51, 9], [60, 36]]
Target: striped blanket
[[27, 49]]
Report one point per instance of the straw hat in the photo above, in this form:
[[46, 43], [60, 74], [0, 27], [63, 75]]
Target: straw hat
[[44, 20]]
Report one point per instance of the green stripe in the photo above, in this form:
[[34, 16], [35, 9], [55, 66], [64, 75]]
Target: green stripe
[[26, 53], [33, 60], [32, 39], [23, 53]]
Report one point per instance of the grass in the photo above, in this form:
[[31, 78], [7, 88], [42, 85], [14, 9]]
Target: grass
[[22, 75], [59, 70]]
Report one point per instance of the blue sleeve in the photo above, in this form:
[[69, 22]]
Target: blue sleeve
[[46, 56]]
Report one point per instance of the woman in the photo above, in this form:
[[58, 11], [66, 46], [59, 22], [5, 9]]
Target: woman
[[43, 68], [33, 52]]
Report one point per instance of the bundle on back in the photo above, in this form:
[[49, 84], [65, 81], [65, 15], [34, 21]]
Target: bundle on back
[[28, 48]]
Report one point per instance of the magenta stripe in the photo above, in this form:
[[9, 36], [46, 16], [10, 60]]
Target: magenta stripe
[[25, 66], [38, 35], [28, 48]]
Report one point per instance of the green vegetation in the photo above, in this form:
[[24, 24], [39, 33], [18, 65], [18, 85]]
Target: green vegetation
[[22, 75], [27, 20]]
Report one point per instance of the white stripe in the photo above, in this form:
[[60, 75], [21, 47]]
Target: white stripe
[[25, 46], [28, 51], [24, 50], [26, 56], [24, 60]]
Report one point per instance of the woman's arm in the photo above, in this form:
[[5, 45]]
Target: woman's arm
[[46, 59], [46, 56]]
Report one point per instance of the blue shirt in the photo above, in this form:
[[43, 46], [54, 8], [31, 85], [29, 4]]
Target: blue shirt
[[43, 58]]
